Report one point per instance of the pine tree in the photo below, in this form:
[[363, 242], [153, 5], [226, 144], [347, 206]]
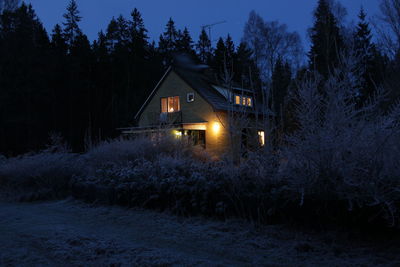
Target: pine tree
[[138, 34], [9, 5], [58, 42], [59, 79], [230, 48], [168, 42], [245, 69], [72, 18], [224, 55], [368, 59], [25, 103], [111, 35], [326, 40], [281, 79], [203, 47], [185, 43], [219, 60]]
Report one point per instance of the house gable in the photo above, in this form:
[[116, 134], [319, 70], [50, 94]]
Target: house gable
[[172, 84]]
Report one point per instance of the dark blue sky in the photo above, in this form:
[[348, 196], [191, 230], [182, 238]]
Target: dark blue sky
[[297, 14]]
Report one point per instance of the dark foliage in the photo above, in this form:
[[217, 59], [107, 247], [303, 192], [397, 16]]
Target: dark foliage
[[326, 40], [85, 91]]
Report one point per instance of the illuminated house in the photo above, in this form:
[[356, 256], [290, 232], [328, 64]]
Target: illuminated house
[[191, 104]]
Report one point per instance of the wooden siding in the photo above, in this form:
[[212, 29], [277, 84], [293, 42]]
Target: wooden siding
[[217, 134]]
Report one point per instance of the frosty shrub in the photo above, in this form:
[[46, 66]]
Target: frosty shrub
[[170, 176], [44, 174], [122, 151], [343, 157], [2, 159]]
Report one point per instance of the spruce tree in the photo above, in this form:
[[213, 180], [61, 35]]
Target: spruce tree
[[25, 100], [203, 47], [58, 42], [59, 79], [111, 34], [168, 42], [230, 48], [185, 43], [367, 59], [219, 59], [72, 18], [326, 40], [138, 33], [245, 69], [281, 79]]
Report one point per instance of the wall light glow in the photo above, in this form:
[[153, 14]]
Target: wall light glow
[[216, 127], [178, 133]]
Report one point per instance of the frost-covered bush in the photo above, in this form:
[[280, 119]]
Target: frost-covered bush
[[45, 171], [167, 178], [122, 151], [343, 156], [2, 159]]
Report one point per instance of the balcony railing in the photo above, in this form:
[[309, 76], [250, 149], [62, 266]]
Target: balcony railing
[[165, 118]]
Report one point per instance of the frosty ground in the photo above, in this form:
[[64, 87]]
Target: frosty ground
[[70, 232]]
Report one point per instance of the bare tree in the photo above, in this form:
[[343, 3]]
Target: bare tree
[[339, 11], [389, 26], [269, 41], [8, 5]]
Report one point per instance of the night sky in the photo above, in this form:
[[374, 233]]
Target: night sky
[[297, 14]]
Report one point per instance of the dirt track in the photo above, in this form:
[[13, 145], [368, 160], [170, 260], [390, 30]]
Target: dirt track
[[68, 232]]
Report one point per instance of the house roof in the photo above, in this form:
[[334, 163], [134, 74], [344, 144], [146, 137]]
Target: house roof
[[204, 84]]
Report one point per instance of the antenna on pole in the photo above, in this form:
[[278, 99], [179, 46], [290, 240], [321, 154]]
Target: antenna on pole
[[209, 26]]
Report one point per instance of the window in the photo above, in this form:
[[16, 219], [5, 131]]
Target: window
[[190, 97], [237, 100], [164, 105], [243, 101], [261, 138], [249, 102], [170, 104]]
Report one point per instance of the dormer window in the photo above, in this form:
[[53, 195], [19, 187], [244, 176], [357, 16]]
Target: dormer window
[[190, 97], [170, 104], [243, 101], [237, 99], [249, 102]]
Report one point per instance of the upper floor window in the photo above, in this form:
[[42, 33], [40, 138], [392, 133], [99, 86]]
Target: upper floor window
[[243, 101], [170, 104], [237, 99], [190, 97]]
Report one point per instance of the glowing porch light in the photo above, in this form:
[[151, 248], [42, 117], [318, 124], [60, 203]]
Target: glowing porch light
[[178, 133], [216, 127]]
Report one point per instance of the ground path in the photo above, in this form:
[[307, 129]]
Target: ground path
[[71, 233]]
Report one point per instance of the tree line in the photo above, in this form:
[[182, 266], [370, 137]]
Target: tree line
[[63, 83]]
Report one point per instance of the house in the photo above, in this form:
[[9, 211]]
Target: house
[[190, 103]]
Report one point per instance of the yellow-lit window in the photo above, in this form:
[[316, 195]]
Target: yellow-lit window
[[244, 101], [164, 105], [170, 104], [237, 100], [177, 104], [249, 102], [261, 138]]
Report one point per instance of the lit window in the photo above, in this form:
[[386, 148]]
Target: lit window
[[190, 97], [243, 101], [164, 105], [261, 138], [170, 104], [237, 99], [249, 102]]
